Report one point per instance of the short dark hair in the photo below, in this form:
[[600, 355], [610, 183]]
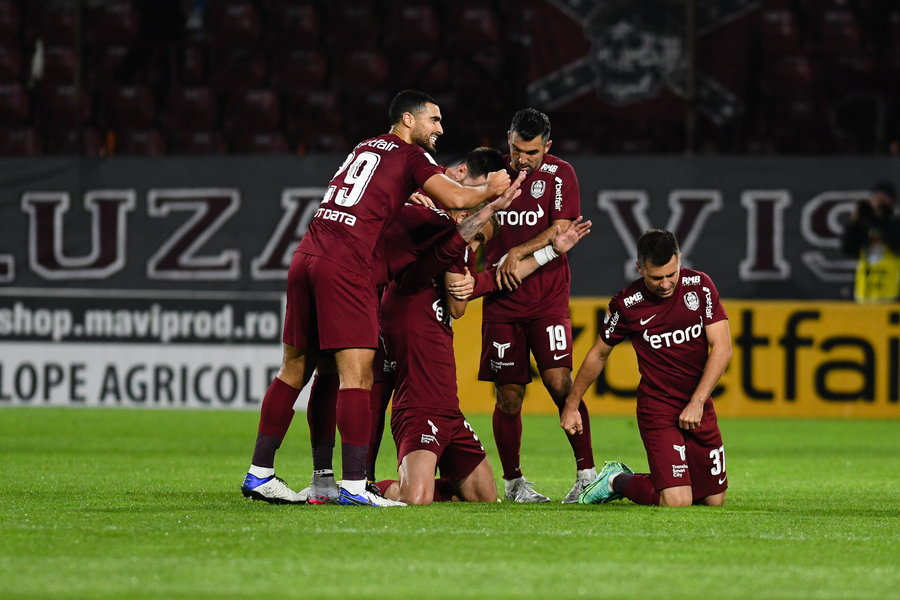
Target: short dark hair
[[657, 246], [408, 101], [483, 160], [886, 188], [529, 123]]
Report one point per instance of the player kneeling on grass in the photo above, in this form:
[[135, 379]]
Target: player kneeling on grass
[[679, 331], [428, 427]]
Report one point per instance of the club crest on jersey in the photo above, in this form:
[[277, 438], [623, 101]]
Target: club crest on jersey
[[692, 300], [537, 189]]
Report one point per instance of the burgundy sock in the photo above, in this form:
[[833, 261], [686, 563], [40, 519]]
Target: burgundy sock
[[384, 484], [508, 437], [380, 397], [321, 414], [277, 409], [637, 488], [443, 490], [354, 421], [581, 442], [275, 417]]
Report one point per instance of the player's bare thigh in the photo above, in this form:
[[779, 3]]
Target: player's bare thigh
[[479, 485], [682, 495]]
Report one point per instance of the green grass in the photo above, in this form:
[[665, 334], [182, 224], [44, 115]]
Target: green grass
[[145, 504]]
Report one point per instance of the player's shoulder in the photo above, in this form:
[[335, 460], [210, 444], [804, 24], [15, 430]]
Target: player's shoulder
[[553, 165], [632, 296], [691, 278]]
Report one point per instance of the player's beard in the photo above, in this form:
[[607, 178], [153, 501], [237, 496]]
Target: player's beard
[[420, 138]]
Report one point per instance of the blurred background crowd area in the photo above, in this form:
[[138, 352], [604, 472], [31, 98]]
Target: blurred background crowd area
[[155, 77]]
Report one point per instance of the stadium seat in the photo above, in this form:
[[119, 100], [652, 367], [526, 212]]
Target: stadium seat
[[261, 143], [414, 25], [234, 24], [252, 111], [56, 107], [323, 143], [422, 70], [14, 105], [189, 108], [198, 142], [10, 64], [20, 142], [839, 31], [857, 118], [361, 70], [355, 20], [477, 70], [57, 26], [238, 68], [369, 110], [126, 107], [778, 32], [59, 65], [293, 25], [788, 74], [65, 142], [147, 142], [472, 25], [9, 21], [192, 65], [296, 69], [111, 65], [313, 111], [113, 24]]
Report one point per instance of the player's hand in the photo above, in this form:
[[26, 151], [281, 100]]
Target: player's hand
[[461, 290], [421, 199], [507, 272], [690, 417], [570, 420], [497, 183], [511, 193], [563, 242]]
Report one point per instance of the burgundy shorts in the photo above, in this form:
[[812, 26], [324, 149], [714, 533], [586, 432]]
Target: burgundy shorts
[[505, 348], [447, 435], [329, 307], [382, 367], [680, 457]]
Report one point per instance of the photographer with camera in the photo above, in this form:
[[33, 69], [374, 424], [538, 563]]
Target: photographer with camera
[[873, 236]]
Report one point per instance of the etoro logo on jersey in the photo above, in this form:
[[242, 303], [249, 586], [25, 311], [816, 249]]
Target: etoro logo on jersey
[[522, 217], [670, 338]]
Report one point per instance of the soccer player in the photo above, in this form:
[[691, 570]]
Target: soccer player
[[533, 315], [331, 298], [679, 331], [428, 427]]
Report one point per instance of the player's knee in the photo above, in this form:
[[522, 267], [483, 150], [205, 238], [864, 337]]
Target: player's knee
[[509, 398], [676, 498], [418, 496], [715, 500], [558, 383]]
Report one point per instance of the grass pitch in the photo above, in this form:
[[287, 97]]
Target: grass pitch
[[145, 504]]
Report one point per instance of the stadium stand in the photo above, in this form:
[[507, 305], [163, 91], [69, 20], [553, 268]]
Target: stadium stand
[[184, 73]]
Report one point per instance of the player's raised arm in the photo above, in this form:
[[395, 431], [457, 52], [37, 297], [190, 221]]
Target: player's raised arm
[[718, 336], [588, 373], [456, 196]]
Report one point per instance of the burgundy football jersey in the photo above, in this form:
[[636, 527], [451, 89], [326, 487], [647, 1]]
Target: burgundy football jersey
[[363, 198], [548, 193], [418, 338], [668, 337]]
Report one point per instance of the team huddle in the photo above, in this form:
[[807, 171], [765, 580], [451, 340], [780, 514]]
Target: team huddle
[[388, 262]]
